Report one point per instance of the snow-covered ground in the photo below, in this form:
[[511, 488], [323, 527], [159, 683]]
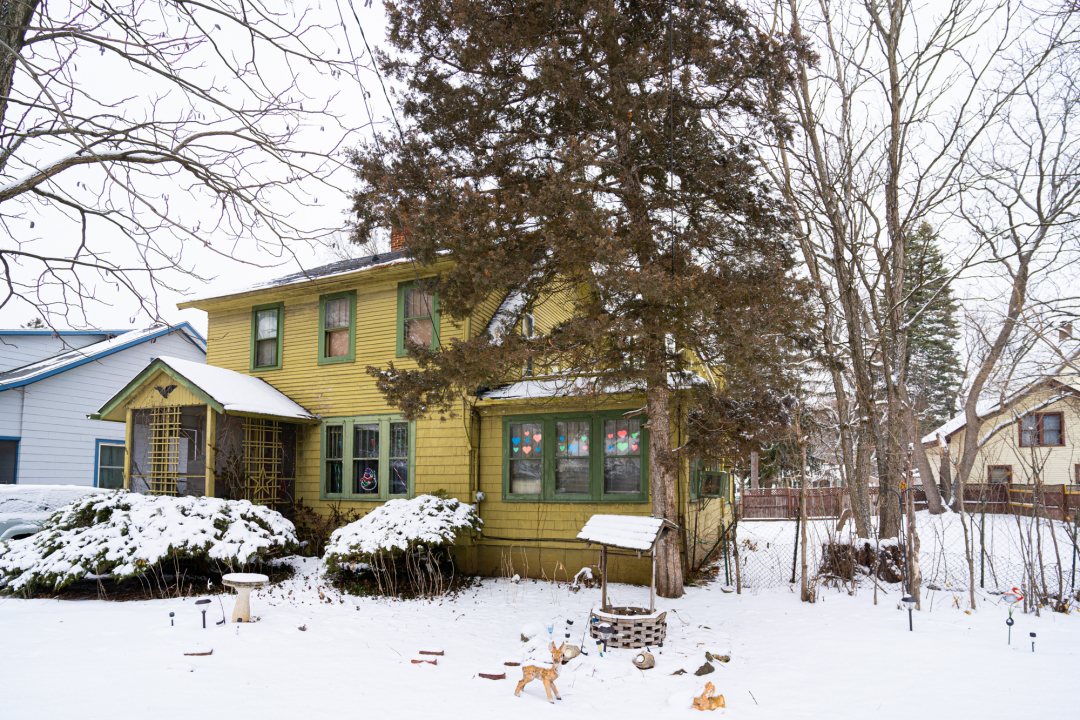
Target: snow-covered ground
[[842, 657]]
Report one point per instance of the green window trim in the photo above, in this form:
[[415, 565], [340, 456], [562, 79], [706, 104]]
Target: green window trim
[[702, 468], [596, 492], [413, 285], [351, 355], [348, 425], [280, 307]]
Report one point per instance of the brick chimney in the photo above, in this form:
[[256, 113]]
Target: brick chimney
[[397, 240]]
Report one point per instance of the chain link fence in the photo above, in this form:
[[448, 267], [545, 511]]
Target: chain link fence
[[1039, 556]]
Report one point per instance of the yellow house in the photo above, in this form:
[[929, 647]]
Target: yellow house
[[285, 409], [1033, 434]]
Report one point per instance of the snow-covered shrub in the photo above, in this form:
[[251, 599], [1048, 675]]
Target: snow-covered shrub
[[124, 534], [402, 547]]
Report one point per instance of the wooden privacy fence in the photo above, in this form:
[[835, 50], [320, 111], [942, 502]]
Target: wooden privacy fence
[[1057, 502]]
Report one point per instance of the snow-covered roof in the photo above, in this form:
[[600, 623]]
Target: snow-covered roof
[[323, 272], [565, 385], [504, 316], [631, 532], [989, 408], [69, 359], [236, 392]]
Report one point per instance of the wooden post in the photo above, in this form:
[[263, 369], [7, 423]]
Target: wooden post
[[652, 581], [603, 578], [753, 470], [129, 446], [211, 457]]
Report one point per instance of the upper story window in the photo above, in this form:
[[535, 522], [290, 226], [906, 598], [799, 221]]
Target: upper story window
[[267, 331], [575, 457], [337, 327], [1042, 429], [418, 318]]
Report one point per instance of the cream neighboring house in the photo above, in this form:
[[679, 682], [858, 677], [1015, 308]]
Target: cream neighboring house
[[1033, 434]]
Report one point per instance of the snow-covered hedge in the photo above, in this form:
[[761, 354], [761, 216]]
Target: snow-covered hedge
[[123, 534], [399, 527]]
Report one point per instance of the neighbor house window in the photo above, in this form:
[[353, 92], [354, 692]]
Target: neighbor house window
[[1039, 429], [713, 483], [337, 327], [110, 465], [418, 318], [571, 458], [1000, 474], [267, 329], [9, 456], [368, 457]]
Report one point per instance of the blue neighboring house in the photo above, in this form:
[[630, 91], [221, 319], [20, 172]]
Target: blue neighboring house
[[51, 381]]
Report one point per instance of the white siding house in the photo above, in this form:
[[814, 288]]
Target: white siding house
[[45, 434]]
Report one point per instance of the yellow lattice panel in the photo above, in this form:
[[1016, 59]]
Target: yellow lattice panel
[[163, 452], [262, 461]]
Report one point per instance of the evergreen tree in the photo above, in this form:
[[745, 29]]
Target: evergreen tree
[[934, 370], [602, 150]]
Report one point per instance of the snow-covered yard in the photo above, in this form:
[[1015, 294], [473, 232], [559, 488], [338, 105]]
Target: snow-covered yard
[[842, 657]]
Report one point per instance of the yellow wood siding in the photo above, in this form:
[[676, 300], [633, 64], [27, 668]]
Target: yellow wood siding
[[147, 396]]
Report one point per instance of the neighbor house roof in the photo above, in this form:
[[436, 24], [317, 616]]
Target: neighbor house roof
[[226, 390], [59, 333], [36, 371]]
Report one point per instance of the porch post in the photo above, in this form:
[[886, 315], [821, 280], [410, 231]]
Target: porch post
[[211, 458], [129, 446]]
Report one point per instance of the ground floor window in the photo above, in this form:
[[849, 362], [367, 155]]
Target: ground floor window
[[9, 460], [110, 465], [575, 457], [367, 457], [1000, 474]]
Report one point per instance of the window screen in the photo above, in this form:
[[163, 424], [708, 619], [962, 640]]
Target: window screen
[[336, 327], [334, 454], [366, 459], [266, 338], [572, 458], [399, 458], [525, 462], [418, 324], [622, 456]]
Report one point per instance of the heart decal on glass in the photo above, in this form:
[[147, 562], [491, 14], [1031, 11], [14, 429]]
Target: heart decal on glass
[[621, 446], [526, 433], [562, 448], [610, 447], [515, 440], [622, 433], [536, 437], [584, 438], [633, 447], [573, 447], [516, 449], [609, 436], [527, 449], [561, 438], [634, 435]]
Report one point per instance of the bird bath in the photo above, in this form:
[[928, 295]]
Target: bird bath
[[243, 583]]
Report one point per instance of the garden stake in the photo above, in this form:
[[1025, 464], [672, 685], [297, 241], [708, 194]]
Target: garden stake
[[171, 615], [1032, 635]]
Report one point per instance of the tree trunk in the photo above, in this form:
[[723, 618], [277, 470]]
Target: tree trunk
[[922, 463], [753, 469], [15, 17], [944, 471], [914, 573], [663, 474]]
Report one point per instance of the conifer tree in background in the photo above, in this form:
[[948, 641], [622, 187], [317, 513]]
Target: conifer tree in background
[[604, 151], [934, 373]]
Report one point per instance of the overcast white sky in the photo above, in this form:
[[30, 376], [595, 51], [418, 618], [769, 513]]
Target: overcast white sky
[[117, 311]]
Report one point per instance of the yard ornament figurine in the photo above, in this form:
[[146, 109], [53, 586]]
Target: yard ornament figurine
[[547, 675], [1012, 598], [709, 700]]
